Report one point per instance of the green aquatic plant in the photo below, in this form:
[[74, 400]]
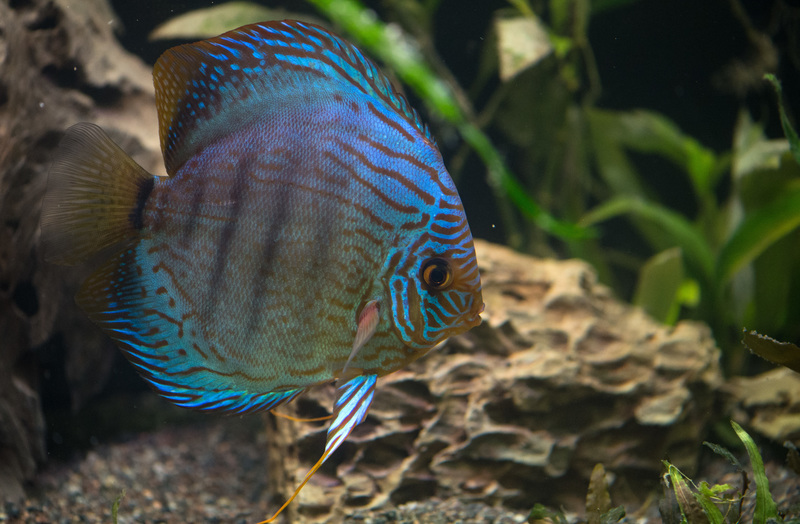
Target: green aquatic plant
[[788, 130], [686, 501], [598, 504], [732, 251], [783, 353], [721, 503], [115, 506]]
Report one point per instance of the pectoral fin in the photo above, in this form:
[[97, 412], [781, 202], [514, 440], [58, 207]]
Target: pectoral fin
[[367, 324], [352, 402]]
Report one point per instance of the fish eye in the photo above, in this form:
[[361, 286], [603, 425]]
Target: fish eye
[[437, 274]]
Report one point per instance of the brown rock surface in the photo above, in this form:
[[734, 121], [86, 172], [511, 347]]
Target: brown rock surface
[[768, 403]]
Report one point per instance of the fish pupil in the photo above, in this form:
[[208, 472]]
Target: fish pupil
[[436, 273], [438, 276]]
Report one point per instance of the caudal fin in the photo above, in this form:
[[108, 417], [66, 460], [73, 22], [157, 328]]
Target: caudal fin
[[95, 196]]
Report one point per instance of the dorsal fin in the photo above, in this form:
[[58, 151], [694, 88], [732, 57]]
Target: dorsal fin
[[204, 88]]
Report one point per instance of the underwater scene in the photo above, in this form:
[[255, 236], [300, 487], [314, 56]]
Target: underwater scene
[[400, 261]]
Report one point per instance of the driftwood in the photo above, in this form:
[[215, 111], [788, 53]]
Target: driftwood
[[59, 63]]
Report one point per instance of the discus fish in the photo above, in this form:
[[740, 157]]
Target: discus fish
[[307, 230]]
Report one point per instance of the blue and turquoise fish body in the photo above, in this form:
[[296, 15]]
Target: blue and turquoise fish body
[[308, 230]]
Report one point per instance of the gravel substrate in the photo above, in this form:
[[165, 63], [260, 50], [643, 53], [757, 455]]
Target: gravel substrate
[[216, 473], [186, 474], [213, 473]]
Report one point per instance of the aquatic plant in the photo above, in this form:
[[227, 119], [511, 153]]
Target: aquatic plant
[[115, 506], [784, 353], [721, 503], [685, 501], [598, 504]]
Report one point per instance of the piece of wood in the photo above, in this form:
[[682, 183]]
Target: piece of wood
[[59, 63]]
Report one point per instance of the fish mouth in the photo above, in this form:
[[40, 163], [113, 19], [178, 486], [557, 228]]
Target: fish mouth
[[475, 319]]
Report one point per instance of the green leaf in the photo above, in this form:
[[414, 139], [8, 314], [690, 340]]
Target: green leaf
[[788, 130], [719, 450], [765, 183], [783, 353], [773, 297], [540, 512], [757, 232], [669, 508], [559, 16], [598, 500], [715, 490], [765, 507], [676, 230], [211, 21], [115, 506], [613, 515], [659, 281], [696, 506], [609, 153], [691, 509], [581, 10], [650, 132], [712, 512], [562, 45], [689, 293], [752, 151], [523, 7], [708, 496]]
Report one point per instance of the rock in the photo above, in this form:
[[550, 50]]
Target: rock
[[59, 63], [768, 404], [560, 376]]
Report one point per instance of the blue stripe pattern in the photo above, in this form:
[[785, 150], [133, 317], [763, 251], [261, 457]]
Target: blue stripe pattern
[[244, 72], [352, 403]]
